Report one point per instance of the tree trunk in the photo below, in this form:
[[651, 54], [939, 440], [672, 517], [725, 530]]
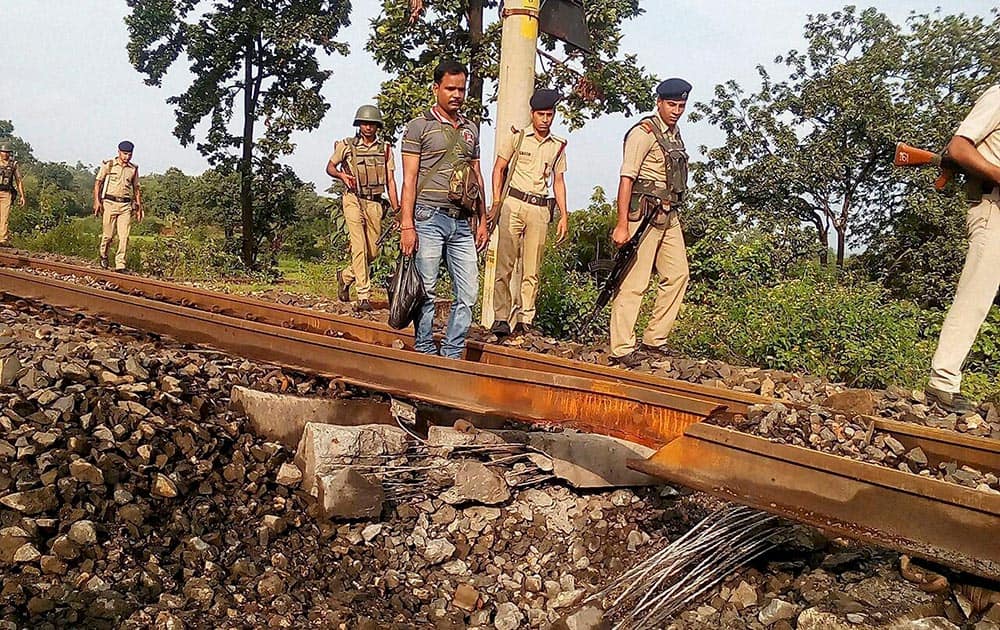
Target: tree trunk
[[249, 249], [476, 41], [824, 240], [841, 244]]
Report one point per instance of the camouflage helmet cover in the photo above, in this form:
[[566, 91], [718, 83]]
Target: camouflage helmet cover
[[368, 113], [5, 148]]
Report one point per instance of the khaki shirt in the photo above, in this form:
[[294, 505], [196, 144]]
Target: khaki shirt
[[982, 125], [119, 179], [534, 165], [640, 160], [340, 154]]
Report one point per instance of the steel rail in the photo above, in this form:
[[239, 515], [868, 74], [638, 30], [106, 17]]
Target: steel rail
[[941, 521], [938, 444], [644, 416], [859, 500], [367, 331]]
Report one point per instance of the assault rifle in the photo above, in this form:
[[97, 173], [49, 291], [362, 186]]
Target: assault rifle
[[624, 258], [912, 156]]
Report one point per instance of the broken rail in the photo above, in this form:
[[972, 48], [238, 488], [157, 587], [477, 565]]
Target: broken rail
[[925, 517]]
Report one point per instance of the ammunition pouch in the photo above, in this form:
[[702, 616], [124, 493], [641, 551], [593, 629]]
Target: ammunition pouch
[[976, 189], [652, 198]]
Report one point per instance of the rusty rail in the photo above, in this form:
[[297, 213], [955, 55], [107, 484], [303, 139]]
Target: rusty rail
[[297, 318], [643, 416], [928, 518], [859, 500]]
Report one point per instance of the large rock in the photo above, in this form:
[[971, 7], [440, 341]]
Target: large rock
[[815, 619], [589, 617], [476, 482], [776, 610], [325, 448], [927, 623], [9, 367], [349, 494], [283, 418], [585, 460], [31, 501], [857, 401]]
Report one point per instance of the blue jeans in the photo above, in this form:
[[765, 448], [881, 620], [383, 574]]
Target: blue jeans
[[442, 236]]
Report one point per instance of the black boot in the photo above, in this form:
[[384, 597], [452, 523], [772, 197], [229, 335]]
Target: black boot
[[500, 328]]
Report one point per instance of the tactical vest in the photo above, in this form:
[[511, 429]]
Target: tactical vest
[[368, 165], [120, 180], [671, 192], [7, 171]]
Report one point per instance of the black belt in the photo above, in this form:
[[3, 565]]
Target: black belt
[[118, 199], [372, 197], [535, 200]]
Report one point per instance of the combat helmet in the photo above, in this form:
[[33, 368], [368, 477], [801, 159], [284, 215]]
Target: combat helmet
[[5, 148], [368, 113]]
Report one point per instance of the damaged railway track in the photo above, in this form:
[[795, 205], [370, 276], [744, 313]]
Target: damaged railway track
[[925, 517]]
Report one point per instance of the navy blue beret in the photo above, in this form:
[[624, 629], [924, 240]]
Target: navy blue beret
[[673, 90], [544, 98], [126, 146]]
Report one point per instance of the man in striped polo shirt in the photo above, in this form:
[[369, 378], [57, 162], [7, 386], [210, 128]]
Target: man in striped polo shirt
[[433, 228]]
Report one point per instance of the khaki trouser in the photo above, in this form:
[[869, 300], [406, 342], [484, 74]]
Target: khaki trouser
[[976, 289], [364, 225], [5, 201], [662, 249], [117, 218], [523, 227]]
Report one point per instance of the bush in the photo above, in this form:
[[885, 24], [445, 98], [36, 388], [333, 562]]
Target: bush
[[190, 255], [845, 332]]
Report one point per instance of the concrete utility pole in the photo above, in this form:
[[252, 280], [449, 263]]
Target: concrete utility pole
[[518, 42]]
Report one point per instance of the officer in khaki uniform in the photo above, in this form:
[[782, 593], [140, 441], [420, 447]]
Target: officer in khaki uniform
[[976, 148], [10, 183], [117, 196], [530, 158], [366, 166], [654, 180]]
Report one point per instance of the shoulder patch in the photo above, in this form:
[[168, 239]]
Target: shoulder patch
[[646, 126]]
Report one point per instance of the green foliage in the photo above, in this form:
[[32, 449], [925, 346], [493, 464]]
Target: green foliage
[[730, 261], [262, 52], [192, 254], [409, 49], [850, 332], [817, 147]]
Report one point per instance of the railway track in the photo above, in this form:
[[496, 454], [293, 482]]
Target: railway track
[[922, 516]]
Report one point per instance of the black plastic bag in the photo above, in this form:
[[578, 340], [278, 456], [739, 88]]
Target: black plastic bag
[[406, 294]]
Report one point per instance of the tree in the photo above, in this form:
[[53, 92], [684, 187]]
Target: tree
[[255, 56], [408, 42], [817, 147]]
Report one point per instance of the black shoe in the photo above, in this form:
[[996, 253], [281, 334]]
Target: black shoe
[[363, 306], [952, 403], [526, 329], [630, 360], [343, 288], [661, 349], [104, 263], [500, 328], [123, 270]]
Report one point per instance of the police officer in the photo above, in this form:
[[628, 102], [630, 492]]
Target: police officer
[[365, 165], [10, 183], [976, 148], [117, 196], [530, 158], [653, 180]]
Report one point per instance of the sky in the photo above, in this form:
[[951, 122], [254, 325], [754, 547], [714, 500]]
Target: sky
[[69, 89]]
